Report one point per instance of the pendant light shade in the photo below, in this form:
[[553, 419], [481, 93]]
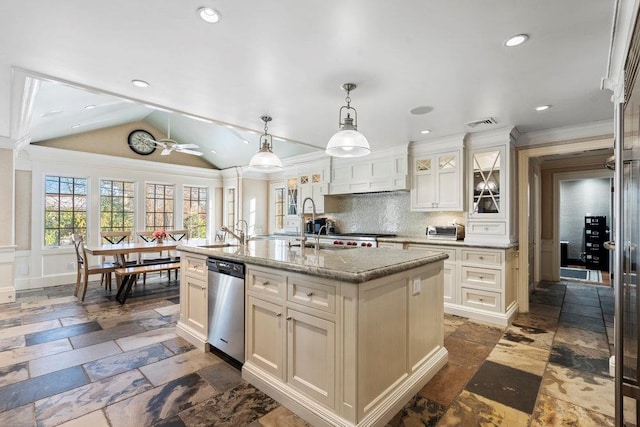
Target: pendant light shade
[[265, 160], [348, 142]]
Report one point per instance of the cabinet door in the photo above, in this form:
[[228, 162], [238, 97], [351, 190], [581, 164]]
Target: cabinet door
[[265, 336], [195, 304], [448, 181], [423, 194], [311, 356], [486, 182], [292, 196]]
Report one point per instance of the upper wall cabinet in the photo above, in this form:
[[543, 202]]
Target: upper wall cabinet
[[492, 185], [307, 179], [381, 171], [437, 171]]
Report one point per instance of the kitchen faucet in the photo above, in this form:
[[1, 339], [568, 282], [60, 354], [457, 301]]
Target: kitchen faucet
[[241, 237], [303, 238], [318, 236], [244, 233]]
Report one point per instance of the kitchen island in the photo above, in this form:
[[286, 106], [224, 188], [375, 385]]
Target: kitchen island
[[339, 336]]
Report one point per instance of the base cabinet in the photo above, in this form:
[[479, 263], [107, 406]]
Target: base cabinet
[[479, 283], [316, 347], [194, 295]]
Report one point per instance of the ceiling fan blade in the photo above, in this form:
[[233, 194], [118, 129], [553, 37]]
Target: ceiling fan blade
[[195, 153], [166, 151], [182, 146]]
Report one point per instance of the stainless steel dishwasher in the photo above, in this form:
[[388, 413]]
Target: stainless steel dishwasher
[[226, 307]]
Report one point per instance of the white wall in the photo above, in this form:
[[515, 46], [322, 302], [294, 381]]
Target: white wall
[[579, 198], [39, 266], [255, 205]]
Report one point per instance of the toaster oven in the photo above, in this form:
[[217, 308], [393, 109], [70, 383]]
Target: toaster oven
[[446, 232]]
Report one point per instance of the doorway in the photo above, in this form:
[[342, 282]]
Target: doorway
[[584, 219]]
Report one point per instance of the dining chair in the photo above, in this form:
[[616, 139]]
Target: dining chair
[[113, 238], [147, 237], [84, 270]]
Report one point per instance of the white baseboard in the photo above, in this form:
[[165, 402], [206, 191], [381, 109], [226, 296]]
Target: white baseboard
[[500, 319], [192, 336]]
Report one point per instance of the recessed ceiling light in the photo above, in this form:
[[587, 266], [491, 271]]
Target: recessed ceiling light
[[543, 107], [140, 83], [214, 151], [76, 126], [51, 113], [209, 15], [423, 109], [245, 141], [424, 132], [89, 107], [516, 40]]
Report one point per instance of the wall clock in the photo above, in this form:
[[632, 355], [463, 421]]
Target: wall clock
[[141, 142]]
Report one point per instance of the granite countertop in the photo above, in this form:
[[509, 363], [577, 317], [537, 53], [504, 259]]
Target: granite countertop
[[356, 265], [425, 241]]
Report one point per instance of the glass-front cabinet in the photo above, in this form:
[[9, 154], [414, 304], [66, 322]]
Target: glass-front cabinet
[[486, 182], [292, 196], [491, 187]]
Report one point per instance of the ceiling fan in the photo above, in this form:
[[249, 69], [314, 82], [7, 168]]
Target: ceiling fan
[[168, 145]]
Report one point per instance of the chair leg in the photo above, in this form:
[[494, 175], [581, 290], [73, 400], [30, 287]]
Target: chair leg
[[78, 276], [144, 279], [86, 283]]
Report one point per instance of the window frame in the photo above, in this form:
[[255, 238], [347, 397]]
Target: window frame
[[153, 227], [134, 186], [204, 215], [87, 208]]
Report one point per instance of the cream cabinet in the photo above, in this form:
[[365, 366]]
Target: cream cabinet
[[479, 283], [340, 353], [291, 331], [194, 293], [491, 183], [437, 174], [450, 276], [381, 171]]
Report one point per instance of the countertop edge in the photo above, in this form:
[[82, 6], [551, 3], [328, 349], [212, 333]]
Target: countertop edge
[[324, 272], [459, 243]]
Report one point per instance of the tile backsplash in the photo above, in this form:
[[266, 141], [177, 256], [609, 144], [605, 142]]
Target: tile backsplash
[[388, 212]]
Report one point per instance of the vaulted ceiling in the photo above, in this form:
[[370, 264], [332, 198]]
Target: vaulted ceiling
[[288, 59]]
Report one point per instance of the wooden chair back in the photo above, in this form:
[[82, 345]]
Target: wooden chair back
[[115, 237], [79, 246], [178, 235], [145, 236]]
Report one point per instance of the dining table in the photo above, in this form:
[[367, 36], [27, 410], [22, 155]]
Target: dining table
[[119, 251]]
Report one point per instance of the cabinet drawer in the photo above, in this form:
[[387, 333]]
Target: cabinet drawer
[[303, 291], [434, 250], [483, 300], [194, 266], [482, 257], [265, 283], [487, 228], [483, 277]]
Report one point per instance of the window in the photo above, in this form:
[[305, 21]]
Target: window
[[65, 209], [231, 207], [159, 207], [117, 205], [195, 211], [279, 208]]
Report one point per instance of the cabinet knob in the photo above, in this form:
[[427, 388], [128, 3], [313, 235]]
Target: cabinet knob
[[480, 277], [203, 287], [480, 299], [309, 294], [481, 257], [288, 317], [278, 314]]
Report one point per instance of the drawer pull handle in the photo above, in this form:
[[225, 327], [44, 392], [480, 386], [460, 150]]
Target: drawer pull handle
[[288, 317], [309, 294], [278, 314], [266, 283]]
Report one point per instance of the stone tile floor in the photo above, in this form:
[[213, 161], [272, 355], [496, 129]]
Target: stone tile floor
[[97, 363]]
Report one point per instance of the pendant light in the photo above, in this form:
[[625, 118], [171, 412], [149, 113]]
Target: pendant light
[[264, 160], [348, 142]]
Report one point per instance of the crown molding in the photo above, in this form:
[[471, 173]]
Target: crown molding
[[566, 133]]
